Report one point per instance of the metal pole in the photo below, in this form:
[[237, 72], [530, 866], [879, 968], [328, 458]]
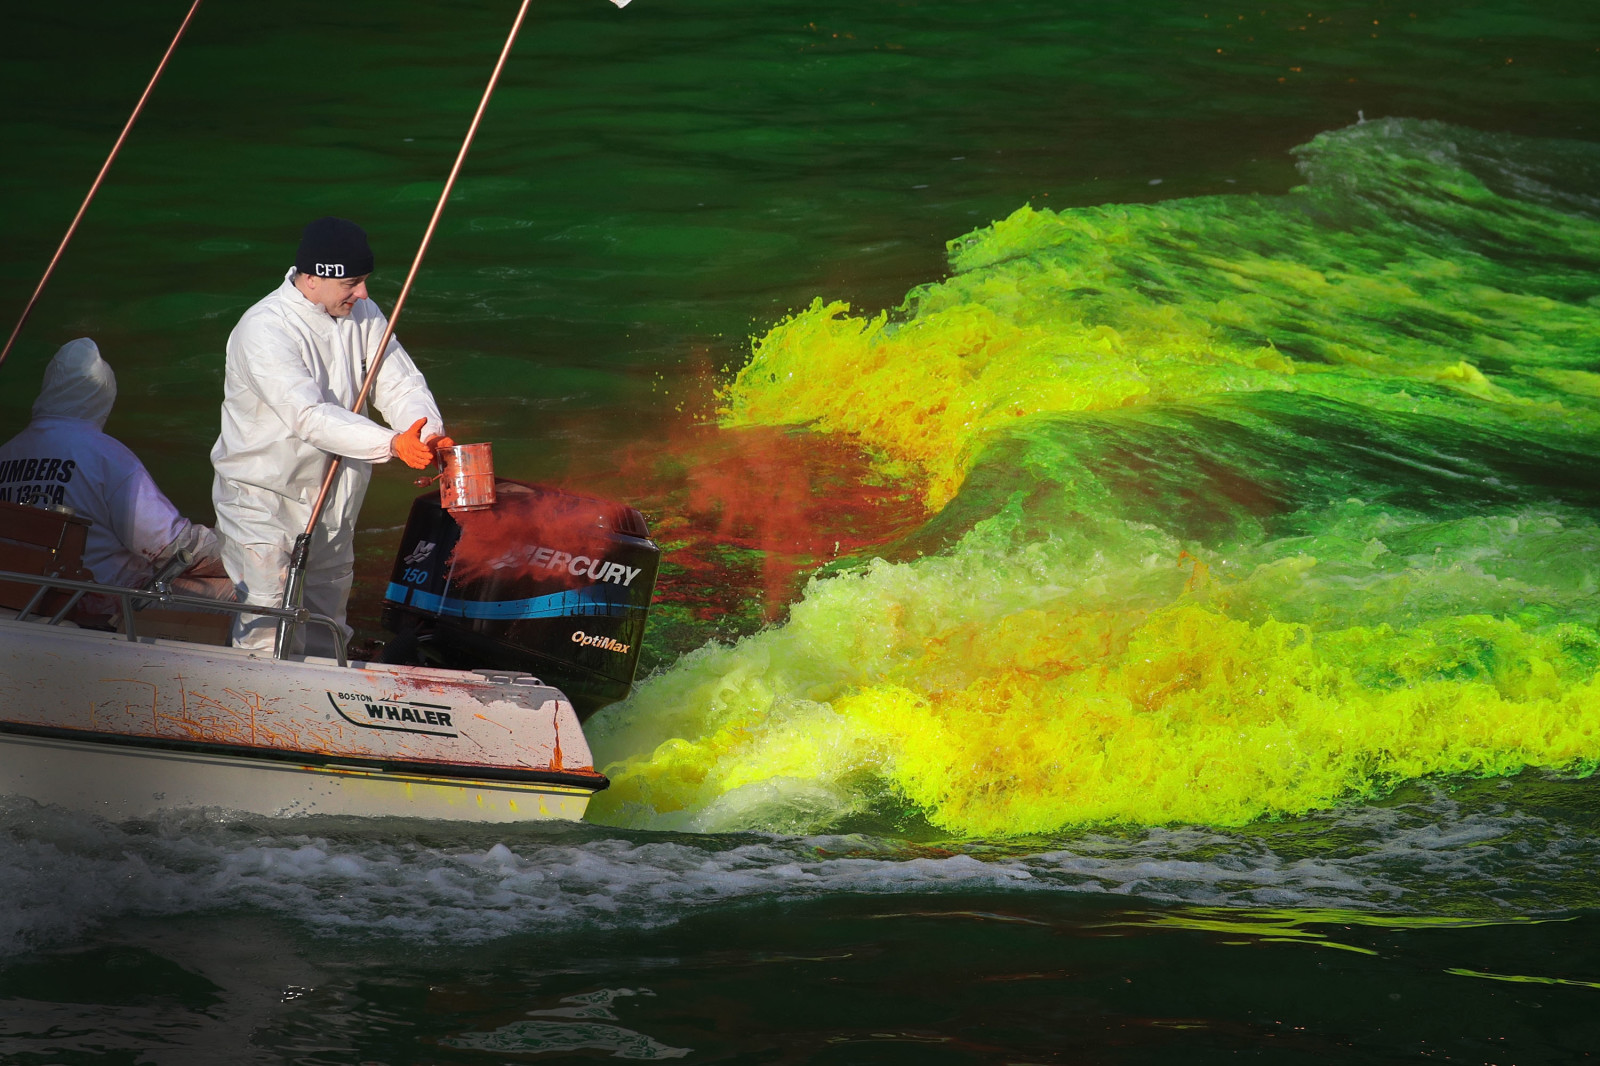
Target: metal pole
[[297, 564], [294, 594], [160, 67]]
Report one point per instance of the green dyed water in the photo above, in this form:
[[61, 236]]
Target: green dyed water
[[1126, 478]]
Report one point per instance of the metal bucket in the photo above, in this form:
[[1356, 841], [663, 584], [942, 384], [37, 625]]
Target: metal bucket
[[467, 480]]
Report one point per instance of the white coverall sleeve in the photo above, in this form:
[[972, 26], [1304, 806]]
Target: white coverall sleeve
[[281, 381], [401, 394], [146, 523], [204, 549]]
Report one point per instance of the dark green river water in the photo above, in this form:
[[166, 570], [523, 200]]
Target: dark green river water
[[1131, 584]]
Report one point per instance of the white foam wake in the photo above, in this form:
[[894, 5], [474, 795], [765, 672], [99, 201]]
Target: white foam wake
[[62, 874]]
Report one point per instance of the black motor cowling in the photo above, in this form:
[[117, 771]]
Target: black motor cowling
[[543, 581]]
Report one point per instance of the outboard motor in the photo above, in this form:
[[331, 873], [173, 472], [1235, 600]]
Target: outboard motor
[[543, 581]]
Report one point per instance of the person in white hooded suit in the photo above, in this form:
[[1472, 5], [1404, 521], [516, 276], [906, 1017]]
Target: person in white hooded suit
[[295, 364], [64, 457]]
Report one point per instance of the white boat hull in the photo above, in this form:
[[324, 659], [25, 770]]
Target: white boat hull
[[119, 783], [128, 729]]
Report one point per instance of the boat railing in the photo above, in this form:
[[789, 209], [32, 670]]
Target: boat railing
[[135, 600]]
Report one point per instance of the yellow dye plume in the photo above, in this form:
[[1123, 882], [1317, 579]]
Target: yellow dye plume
[[997, 704], [928, 394]]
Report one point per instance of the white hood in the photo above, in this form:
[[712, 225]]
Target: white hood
[[77, 384]]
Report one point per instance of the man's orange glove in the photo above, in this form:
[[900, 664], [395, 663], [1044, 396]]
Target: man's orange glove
[[409, 449]]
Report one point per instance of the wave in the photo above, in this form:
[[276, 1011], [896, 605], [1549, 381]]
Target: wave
[[1237, 507]]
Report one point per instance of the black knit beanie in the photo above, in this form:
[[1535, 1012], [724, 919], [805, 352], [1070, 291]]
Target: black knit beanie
[[334, 248]]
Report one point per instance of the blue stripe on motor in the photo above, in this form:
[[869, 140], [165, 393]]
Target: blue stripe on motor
[[596, 600], [396, 592]]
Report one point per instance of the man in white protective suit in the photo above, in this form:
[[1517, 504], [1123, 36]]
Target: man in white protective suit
[[64, 457], [296, 362]]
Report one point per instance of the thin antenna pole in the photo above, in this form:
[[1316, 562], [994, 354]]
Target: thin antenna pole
[[160, 67], [422, 250]]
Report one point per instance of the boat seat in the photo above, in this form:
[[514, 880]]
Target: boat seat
[[39, 540]]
